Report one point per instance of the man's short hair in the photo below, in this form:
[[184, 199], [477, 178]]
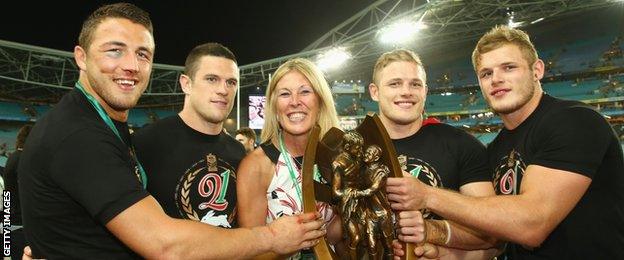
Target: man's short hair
[[247, 132], [499, 36], [118, 10], [191, 65], [397, 55]]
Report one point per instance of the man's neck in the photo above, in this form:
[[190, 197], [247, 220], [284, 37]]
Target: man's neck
[[398, 131], [514, 119], [195, 121], [121, 116]]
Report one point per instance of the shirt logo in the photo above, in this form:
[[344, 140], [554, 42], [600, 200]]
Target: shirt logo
[[508, 174], [203, 191]]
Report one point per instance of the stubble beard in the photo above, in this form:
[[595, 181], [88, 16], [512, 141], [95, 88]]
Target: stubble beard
[[525, 97], [122, 103]]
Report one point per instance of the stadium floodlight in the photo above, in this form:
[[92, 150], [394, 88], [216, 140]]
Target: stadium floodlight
[[513, 24], [537, 20], [332, 58], [510, 20], [400, 32]]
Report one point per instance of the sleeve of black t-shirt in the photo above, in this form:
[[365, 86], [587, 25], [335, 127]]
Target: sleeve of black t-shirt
[[472, 161], [574, 139], [91, 166]]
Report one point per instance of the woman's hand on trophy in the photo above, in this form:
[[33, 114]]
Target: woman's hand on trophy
[[411, 226], [406, 193]]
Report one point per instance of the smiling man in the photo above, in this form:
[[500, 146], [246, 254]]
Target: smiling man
[[558, 166], [81, 186], [191, 163], [438, 154]]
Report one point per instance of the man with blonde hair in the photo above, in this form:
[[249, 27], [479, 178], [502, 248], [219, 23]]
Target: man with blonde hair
[[438, 154], [558, 165]]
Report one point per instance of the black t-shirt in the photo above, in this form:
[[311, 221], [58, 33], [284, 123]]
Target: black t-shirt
[[192, 175], [75, 176], [569, 136], [443, 156], [10, 184]]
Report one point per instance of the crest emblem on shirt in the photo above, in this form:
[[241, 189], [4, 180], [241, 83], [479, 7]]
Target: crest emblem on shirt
[[508, 174], [202, 192]]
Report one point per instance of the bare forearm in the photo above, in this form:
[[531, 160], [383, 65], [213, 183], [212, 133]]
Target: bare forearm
[[491, 215], [147, 230], [456, 236], [545, 198], [195, 240], [469, 239]]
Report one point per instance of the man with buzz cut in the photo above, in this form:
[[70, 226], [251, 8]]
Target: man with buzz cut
[[191, 162], [438, 154]]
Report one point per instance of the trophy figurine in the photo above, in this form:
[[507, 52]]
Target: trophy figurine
[[354, 166]]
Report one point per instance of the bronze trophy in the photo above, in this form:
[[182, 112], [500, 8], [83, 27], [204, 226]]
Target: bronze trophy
[[353, 167]]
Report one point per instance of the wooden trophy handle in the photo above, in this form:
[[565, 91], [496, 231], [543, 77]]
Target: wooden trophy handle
[[322, 250]]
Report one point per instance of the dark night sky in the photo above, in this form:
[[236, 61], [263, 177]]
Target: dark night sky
[[253, 30]]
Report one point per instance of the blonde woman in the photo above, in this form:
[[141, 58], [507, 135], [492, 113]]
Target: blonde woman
[[269, 181]]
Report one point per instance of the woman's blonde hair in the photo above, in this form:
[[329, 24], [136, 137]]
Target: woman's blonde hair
[[327, 116]]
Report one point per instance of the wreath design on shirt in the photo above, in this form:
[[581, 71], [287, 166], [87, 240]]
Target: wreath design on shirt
[[433, 181], [186, 201], [430, 177], [203, 191]]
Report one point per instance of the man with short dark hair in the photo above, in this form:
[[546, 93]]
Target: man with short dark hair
[[191, 162], [81, 185], [247, 137]]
